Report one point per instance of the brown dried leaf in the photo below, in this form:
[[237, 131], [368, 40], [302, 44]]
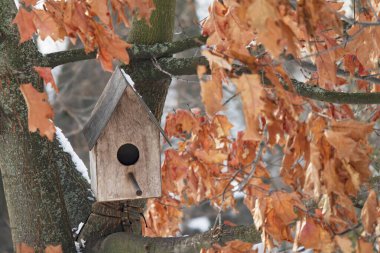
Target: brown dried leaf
[[181, 123], [45, 73], [24, 248], [48, 26], [287, 206], [369, 213], [24, 22], [312, 235], [345, 244], [363, 246], [40, 113], [251, 92], [29, 2], [212, 94], [53, 249], [100, 9]]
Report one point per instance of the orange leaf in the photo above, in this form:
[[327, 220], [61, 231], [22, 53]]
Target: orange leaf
[[251, 92], [222, 125], [211, 92], [119, 8], [40, 114], [53, 249], [285, 205], [181, 123], [210, 156], [110, 47], [23, 248], [143, 9], [45, 73], [47, 25], [369, 212], [312, 235], [24, 22], [364, 247], [344, 243], [29, 2], [99, 7]]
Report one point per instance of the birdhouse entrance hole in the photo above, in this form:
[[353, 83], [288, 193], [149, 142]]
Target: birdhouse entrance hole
[[128, 154]]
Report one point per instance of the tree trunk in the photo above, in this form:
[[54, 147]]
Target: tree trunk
[[32, 167], [5, 231]]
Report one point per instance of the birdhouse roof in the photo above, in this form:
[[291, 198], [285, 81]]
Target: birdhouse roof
[[107, 103]]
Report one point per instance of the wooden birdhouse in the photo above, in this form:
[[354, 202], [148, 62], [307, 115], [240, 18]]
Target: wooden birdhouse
[[123, 138]]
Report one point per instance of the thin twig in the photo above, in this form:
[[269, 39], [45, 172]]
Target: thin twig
[[254, 165]]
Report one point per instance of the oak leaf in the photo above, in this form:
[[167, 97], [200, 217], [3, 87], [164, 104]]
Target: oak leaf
[[29, 2], [211, 93], [53, 249], [48, 26], [181, 123], [24, 248], [118, 7], [287, 206], [40, 113], [110, 46], [313, 235], [24, 22], [222, 126], [45, 73], [141, 9], [345, 244], [100, 9], [251, 92], [364, 246], [369, 212]]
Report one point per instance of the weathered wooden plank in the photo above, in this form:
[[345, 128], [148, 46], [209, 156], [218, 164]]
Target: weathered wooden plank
[[104, 108], [93, 176], [129, 123]]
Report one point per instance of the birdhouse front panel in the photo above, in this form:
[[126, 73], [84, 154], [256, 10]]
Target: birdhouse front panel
[[125, 161]]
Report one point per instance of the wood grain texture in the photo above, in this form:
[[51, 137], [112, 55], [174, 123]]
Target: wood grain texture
[[129, 123], [93, 174], [104, 108]]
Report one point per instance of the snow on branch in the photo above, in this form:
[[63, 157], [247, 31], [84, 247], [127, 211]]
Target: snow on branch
[[66, 146]]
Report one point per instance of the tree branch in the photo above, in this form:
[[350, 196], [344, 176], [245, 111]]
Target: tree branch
[[164, 67], [137, 52], [123, 242], [188, 66], [336, 97], [339, 72]]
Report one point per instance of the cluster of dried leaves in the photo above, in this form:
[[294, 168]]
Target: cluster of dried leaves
[[326, 158], [91, 22]]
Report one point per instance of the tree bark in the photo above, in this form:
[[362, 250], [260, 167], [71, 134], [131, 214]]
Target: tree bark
[[32, 167], [5, 231]]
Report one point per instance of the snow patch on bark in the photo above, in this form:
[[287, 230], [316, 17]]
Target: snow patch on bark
[[66, 146]]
